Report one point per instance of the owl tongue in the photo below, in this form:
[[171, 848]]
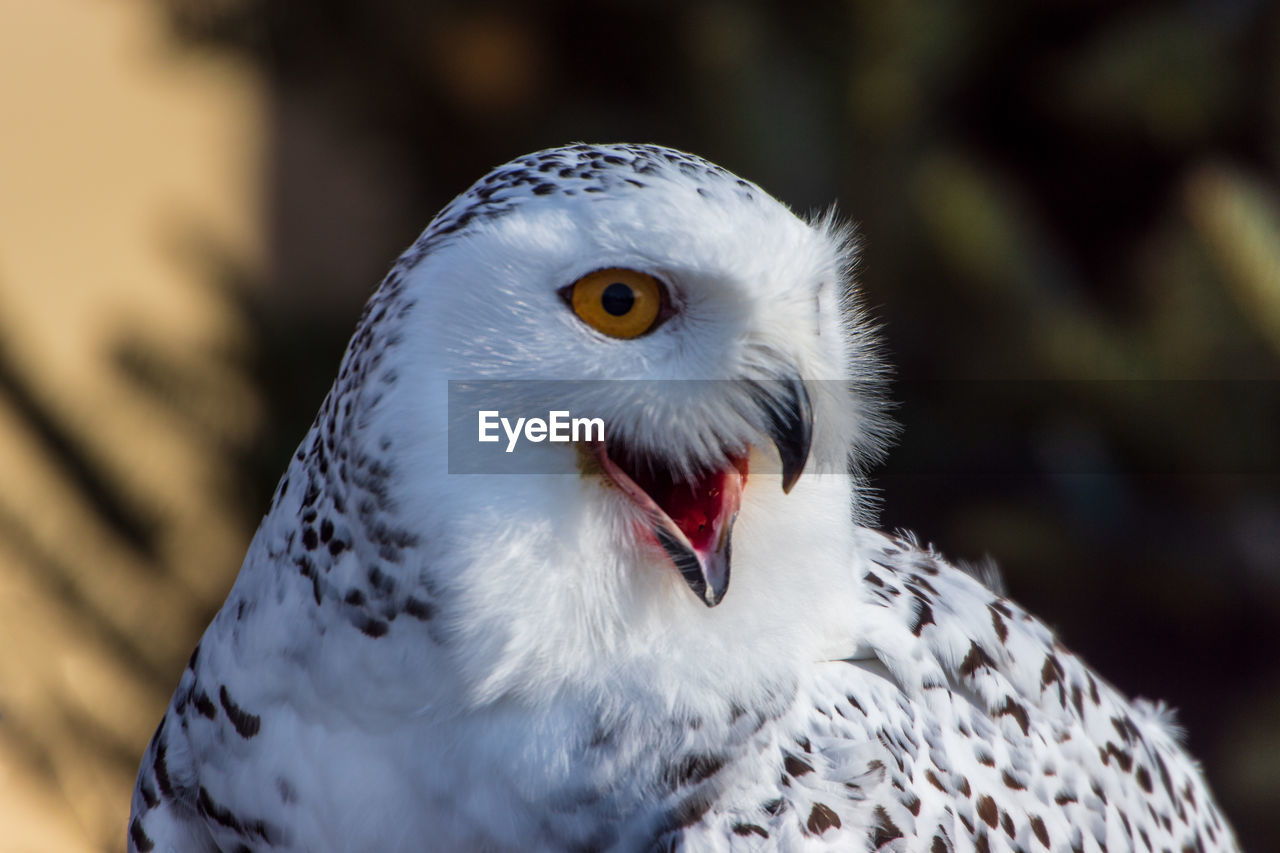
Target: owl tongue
[[704, 509], [691, 520]]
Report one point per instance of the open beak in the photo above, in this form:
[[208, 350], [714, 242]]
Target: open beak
[[693, 521], [790, 413]]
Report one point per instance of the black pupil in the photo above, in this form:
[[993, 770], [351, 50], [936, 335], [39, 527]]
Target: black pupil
[[618, 298]]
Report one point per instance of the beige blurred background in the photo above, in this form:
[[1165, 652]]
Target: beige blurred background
[[117, 537], [1071, 219]]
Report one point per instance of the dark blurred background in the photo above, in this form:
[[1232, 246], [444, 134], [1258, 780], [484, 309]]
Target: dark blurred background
[[1070, 215]]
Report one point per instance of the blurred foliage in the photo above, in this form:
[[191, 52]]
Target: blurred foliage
[[1070, 214]]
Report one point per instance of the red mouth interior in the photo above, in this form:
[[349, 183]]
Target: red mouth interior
[[697, 507]]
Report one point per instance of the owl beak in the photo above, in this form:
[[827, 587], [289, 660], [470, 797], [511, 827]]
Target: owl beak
[[701, 555], [693, 521], [789, 414]]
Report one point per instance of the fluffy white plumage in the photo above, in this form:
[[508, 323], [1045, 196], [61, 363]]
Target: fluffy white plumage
[[412, 659]]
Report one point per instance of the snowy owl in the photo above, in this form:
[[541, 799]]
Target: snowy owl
[[677, 633]]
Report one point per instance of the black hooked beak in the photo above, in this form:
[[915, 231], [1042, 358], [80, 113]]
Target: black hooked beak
[[789, 414], [693, 522]]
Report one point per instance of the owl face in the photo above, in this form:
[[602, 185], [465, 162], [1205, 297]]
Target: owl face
[[708, 328]]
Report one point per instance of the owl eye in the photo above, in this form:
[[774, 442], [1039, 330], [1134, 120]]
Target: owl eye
[[621, 303]]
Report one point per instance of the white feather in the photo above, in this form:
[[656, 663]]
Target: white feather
[[413, 658]]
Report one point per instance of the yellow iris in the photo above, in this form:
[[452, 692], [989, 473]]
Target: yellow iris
[[619, 302]]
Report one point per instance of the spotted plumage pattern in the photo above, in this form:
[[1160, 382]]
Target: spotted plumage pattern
[[977, 736], [415, 659]]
